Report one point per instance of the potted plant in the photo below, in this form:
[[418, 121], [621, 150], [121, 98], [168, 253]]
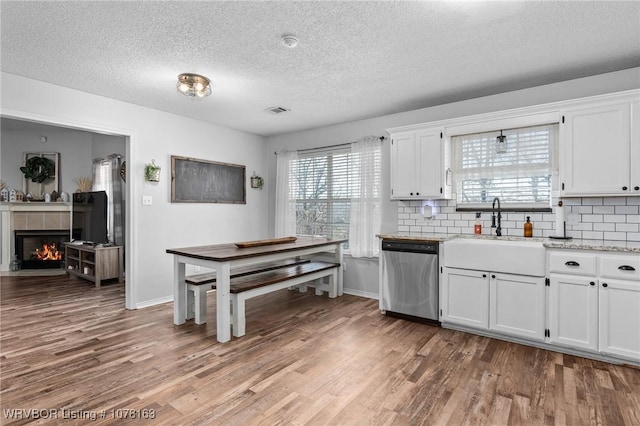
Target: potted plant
[[152, 172]]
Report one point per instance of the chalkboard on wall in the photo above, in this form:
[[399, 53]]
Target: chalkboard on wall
[[202, 181]]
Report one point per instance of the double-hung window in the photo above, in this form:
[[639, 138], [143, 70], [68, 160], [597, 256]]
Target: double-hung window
[[324, 184], [514, 165]]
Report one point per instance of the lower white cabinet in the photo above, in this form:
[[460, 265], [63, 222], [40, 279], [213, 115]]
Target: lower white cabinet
[[516, 305], [573, 311], [505, 303], [619, 305], [598, 311], [465, 298]]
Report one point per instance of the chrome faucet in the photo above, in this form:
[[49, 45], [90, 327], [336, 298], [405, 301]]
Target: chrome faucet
[[493, 217]]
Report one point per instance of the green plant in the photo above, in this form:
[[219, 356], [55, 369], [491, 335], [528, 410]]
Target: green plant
[[38, 169], [152, 172]]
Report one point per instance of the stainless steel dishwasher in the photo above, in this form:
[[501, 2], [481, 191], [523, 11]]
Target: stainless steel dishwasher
[[409, 280]]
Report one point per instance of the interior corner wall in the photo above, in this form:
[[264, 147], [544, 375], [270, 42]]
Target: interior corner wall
[[347, 132], [155, 135]]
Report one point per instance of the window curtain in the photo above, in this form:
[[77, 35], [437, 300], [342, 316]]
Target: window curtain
[[106, 177], [286, 176], [365, 217]]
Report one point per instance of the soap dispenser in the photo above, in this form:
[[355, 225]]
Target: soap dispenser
[[528, 227]]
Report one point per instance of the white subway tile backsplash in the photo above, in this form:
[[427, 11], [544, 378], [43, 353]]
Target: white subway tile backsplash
[[592, 218], [616, 218], [627, 227], [614, 201], [626, 209], [604, 226], [618, 236], [603, 209]]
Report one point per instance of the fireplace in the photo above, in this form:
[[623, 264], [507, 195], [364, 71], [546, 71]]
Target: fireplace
[[41, 249]]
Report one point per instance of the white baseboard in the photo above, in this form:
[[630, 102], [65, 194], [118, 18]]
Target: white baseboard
[[154, 302], [361, 293]]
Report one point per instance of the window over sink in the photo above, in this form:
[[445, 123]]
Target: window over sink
[[512, 164]]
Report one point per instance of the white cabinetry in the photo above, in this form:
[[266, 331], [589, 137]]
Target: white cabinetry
[[465, 298], [619, 305], [598, 141], [595, 302], [420, 164], [517, 305], [505, 303], [573, 300]]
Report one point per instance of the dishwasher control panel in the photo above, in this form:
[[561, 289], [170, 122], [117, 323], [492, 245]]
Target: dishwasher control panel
[[429, 247]]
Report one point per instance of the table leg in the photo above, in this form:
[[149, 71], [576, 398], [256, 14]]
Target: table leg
[[179, 292], [223, 300]]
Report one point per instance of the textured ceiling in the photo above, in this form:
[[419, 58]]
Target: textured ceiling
[[354, 60]]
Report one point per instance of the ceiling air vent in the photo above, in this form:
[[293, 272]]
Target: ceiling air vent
[[276, 110]]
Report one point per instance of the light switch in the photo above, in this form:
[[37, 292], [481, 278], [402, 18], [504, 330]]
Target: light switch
[[147, 200]]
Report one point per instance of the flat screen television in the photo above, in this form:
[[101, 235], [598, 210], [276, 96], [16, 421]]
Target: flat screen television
[[89, 219]]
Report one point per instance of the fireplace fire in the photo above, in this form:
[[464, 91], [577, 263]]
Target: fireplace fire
[[40, 249], [48, 252]]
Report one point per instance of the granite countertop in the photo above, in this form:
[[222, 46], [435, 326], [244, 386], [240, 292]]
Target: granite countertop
[[573, 244]]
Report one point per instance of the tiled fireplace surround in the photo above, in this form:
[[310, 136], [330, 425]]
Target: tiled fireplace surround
[[602, 218], [29, 216]]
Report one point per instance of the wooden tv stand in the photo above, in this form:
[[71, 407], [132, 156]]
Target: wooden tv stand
[[94, 263]]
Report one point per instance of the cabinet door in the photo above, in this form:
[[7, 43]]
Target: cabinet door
[[517, 305], [465, 298], [595, 150], [619, 303], [635, 148], [430, 166], [403, 166], [573, 311]]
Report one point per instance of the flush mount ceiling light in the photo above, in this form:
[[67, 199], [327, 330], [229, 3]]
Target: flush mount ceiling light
[[289, 41], [194, 85]]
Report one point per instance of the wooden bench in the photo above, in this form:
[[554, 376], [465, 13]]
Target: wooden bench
[[198, 285], [248, 286]]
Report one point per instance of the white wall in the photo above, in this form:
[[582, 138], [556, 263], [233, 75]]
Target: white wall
[[153, 135], [588, 86]]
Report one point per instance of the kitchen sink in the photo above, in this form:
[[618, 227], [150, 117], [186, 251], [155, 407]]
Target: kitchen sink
[[512, 256]]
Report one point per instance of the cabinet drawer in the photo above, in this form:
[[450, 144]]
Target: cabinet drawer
[[624, 267], [573, 263]]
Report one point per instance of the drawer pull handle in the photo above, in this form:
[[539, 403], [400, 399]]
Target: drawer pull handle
[[572, 263], [592, 283], [626, 268], [605, 285]]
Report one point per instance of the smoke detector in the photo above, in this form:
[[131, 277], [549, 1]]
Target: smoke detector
[[289, 41]]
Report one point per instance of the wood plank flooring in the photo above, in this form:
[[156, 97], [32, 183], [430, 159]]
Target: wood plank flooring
[[305, 360]]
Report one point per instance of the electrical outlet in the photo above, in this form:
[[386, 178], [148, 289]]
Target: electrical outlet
[[147, 200]]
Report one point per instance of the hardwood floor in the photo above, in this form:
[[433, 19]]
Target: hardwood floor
[[72, 348]]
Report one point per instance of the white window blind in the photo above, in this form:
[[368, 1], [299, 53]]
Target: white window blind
[[323, 187], [519, 173]]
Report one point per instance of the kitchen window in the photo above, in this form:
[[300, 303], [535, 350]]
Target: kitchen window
[[325, 182], [516, 170]]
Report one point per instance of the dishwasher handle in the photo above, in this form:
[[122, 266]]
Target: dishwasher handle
[[427, 247]]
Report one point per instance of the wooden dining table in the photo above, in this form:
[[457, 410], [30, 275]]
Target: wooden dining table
[[223, 258]]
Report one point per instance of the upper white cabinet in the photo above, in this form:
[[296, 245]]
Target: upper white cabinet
[[420, 164], [600, 148]]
